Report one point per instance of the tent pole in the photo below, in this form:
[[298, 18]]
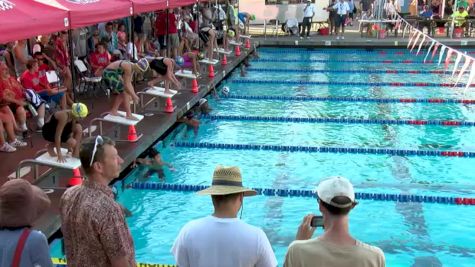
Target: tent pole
[[71, 58]]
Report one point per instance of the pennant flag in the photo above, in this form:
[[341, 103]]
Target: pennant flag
[[415, 41], [442, 50], [428, 51], [404, 32], [470, 78], [411, 36], [448, 58], [437, 44], [420, 45], [463, 70], [457, 61]]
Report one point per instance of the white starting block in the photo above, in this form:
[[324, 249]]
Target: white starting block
[[46, 160], [223, 51], [209, 62], [154, 92], [232, 42], [246, 36], [121, 120], [185, 74]]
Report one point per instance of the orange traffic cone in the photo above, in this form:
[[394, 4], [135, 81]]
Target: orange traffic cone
[[210, 71], [76, 172], [194, 86], [248, 44], [224, 61], [237, 51], [76, 179], [132, 137], [169, 106]]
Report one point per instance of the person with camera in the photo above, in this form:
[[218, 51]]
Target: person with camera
[[336, 247], [308, 13]]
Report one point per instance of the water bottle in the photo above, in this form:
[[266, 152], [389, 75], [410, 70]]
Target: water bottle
[[33, 111]]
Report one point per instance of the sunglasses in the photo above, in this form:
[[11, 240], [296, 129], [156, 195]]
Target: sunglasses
[[99, 142]]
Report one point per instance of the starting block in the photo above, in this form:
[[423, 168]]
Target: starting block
[[246, 36], [185, 74], [121, 120], [43, 158], [232, 42], [154, 92], [209, 62], [222, 51]]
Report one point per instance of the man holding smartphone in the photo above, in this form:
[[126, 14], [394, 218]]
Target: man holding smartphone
[[336, 247], [308, 13]]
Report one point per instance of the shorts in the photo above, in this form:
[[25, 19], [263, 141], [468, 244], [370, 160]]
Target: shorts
[[242, 17], [188, 61], [340, 20], [204, 34], [112, 79], [162, 41], [56, 98], [173, 40], [160, 173]]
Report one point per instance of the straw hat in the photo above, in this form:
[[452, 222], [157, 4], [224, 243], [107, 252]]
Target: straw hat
[[226, 181], [21, 203]]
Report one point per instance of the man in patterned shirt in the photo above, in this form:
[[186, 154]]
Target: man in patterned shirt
[[93, 224]]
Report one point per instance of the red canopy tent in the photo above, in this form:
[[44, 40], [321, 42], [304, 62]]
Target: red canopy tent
[[84, 13], [21, 19], [141, 6], [179, 3]]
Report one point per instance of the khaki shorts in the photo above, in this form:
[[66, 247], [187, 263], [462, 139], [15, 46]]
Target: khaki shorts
[[173, 40]]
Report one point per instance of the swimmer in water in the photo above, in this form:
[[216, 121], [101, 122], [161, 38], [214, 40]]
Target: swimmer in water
[[190, 122], [155, 165]]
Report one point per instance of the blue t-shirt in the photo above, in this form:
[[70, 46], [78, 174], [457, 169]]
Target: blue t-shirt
[[35, 253]]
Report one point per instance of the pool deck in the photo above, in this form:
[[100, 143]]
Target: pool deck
[[158, 123]]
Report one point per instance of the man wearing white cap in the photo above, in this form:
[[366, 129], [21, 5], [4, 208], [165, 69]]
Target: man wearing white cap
[[222, 239], [336, 247]]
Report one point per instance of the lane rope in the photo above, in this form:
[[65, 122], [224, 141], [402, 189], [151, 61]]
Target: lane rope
[[310, 193], [391, 84], [353, 99], [322, 149], [343, 51], [406, 61], [339, 120], [350, 71]]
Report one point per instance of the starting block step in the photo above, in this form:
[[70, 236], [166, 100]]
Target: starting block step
[[209, 62], [71, 162], [246, 36], [122, 120], [223, 51], [235, 43], [185, 74], [160, 92]]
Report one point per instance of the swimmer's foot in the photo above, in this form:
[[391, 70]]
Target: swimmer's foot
[[131, 117], [50, 150], [115, 113]]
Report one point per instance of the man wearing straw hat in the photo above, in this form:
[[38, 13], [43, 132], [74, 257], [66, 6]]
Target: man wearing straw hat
[[222, 239]]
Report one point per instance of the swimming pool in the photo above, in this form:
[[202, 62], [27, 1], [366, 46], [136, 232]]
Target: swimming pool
[[410, 234]]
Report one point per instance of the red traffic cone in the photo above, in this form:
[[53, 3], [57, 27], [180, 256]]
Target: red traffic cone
[[248, 44], [76, 172], [224, 61], [210, 71], [169, 106], [237, 50], [194, 86], [74, 181], [132, 137]]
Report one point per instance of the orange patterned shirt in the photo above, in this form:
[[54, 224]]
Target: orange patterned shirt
[[94, 227]]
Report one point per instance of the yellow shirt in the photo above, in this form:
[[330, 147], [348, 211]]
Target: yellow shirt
[[460, 17], [318, 253]]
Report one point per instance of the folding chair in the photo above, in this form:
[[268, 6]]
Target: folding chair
[[86, 79]]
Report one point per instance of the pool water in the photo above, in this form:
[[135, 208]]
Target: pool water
[[410, 234]]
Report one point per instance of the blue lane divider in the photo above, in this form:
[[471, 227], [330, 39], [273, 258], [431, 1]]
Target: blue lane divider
[[350, 71], [339, 120], [339, 150], [351, 99], [346, 61], [393, 84], [310, 193]]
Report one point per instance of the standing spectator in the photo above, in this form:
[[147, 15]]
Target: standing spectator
[[336, 247], [93, 40], [308, 13], [351, 13], [9, 58], [138, 24], [161, 31], [21, 204], [222, 239], [20, 56], [342, 9], [93, 223], [366, 6], [332, 17], [62, 61], [173, 39], [99, 59], [109, 37]]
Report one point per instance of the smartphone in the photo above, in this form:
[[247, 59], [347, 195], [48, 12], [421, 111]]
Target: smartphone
[[317, 221]]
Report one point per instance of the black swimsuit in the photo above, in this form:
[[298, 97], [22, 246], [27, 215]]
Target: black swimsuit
[[159, 66], [49, 130]]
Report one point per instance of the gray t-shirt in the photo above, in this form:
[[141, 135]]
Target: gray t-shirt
[[35, 253]]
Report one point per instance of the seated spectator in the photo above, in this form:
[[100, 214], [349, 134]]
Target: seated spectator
[[9, 124], [13, 93], [164, 67], [109, 37], [154, 165], [426, 13], [32, 78], [335, 247], [122, 44], [21, 204], [222, 239], [44, 46], [5, 146], [460, 17], [93, 40], [99, 59]]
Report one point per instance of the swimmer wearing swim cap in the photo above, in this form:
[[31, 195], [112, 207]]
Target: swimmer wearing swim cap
[[155, 164], [63, 128]]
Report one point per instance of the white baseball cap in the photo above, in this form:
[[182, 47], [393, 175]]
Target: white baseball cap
[[336, 186]]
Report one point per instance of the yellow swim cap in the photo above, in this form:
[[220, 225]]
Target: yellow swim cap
[[231, 33], [79, 110]]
